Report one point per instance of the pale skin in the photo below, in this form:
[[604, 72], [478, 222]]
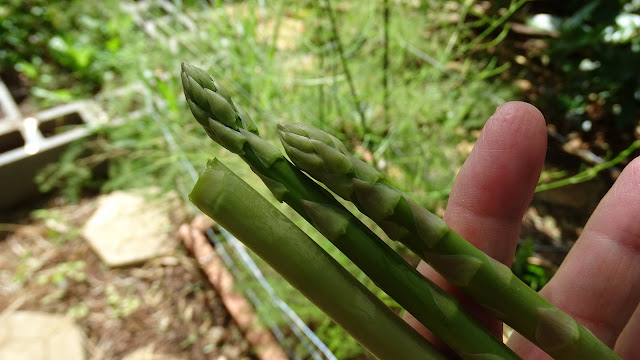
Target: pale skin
[[599, 281]]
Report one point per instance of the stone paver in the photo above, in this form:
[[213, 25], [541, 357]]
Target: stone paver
[[39, 336], [129, 228]]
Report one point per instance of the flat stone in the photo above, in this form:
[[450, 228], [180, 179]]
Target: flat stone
[[39, 336], [148, 353], [129, 228]]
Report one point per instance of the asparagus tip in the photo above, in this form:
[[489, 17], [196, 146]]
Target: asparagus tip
[[187, 68], [292, 127]]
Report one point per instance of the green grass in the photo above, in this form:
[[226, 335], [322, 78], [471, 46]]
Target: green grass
[[281, 63]]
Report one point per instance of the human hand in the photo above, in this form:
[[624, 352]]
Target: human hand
[[599, 281]]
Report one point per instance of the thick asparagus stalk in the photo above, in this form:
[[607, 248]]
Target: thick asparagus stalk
[[231, 127], [236, 206], [484, 279]]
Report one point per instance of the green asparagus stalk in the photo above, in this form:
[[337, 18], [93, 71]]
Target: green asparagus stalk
[[487, 281], [232, 203], [230, 126]]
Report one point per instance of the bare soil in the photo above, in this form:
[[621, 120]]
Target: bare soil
[[46, 265]]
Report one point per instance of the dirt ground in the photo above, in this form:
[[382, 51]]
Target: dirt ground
[[168, 303], [46, 265]]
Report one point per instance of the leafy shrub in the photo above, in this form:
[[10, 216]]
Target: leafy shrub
[[597, 51], [59, 45]]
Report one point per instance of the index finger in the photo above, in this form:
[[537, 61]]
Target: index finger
[[492, 191]]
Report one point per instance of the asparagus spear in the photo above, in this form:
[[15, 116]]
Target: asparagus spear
[[487, 281], [236, 206], [232, 128]]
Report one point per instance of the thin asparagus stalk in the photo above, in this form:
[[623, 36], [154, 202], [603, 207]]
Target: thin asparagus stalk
[[236, 206], [487, 281], [232, 128]]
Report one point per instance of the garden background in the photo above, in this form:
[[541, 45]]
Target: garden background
[[407, 84]]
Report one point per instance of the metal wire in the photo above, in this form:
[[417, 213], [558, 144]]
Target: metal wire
[[255, 300], [160, 30], [284, 307], [306, 336], [297, 326]]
